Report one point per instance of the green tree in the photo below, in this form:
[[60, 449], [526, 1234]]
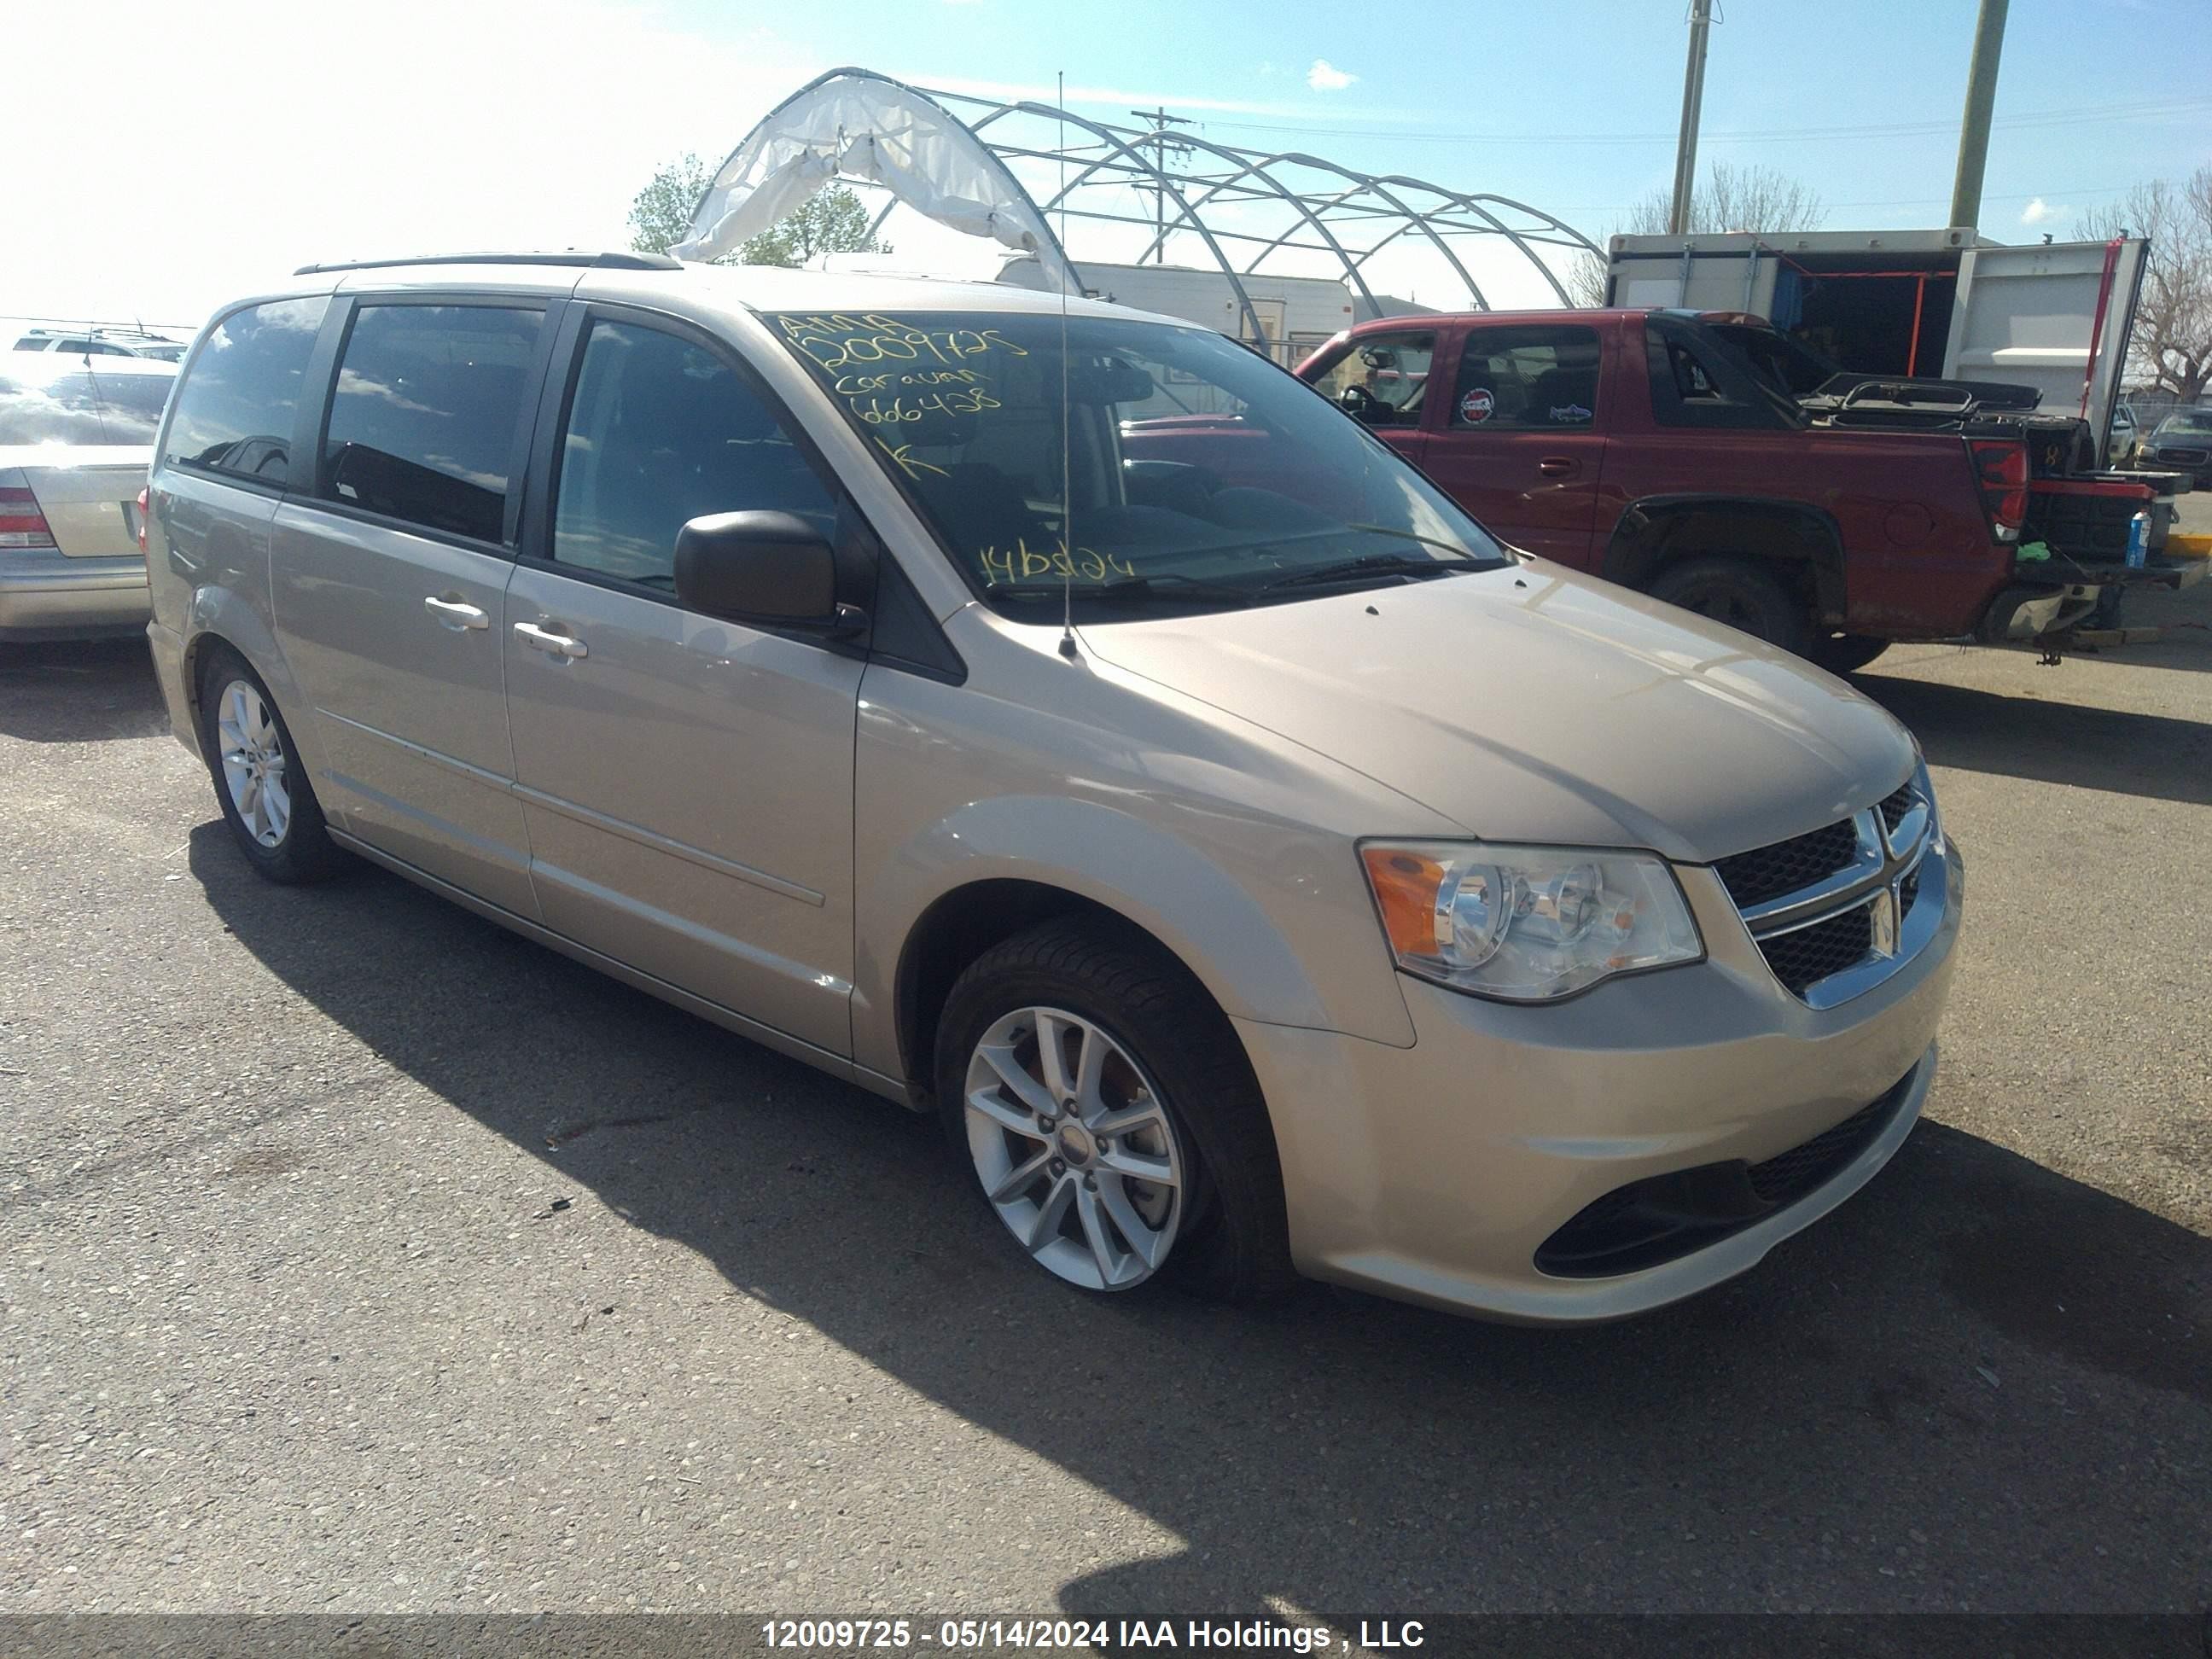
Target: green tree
[[660, 214], [833, 220]]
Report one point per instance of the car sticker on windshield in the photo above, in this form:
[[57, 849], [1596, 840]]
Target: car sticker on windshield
[[1567, 414], [1475, 407]]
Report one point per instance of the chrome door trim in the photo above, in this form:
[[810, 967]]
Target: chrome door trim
[[494, 779], [660, 844]]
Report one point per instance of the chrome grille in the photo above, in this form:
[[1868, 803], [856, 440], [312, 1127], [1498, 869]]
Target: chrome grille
[[1805, 956], [1828, 909], [1767, 873]]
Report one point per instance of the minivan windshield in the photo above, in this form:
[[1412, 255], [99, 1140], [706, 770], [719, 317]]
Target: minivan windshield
[[1140, 466]]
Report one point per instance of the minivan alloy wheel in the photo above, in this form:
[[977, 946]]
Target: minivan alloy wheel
[[253, 761], [1074, 1148]]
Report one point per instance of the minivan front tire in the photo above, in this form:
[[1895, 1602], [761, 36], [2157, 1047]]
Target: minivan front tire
[[263, 790], [1142, 1153]]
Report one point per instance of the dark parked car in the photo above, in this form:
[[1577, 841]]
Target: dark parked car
[[2182, 442]]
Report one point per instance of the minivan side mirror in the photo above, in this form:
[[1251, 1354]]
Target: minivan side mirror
[[772, 568]]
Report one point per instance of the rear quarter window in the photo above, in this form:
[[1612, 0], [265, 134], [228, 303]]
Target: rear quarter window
[[242, 388]]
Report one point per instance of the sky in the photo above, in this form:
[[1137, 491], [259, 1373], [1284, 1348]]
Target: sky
[[254, 138]]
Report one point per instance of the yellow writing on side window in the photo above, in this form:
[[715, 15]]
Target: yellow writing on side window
[[1021, 562]]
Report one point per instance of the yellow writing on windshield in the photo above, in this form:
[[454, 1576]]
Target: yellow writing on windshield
[[838, 340], [882, 411], [909, 463], [1021, 562]]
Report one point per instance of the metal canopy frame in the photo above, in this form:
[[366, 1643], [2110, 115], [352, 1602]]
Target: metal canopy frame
[[1318, 206]]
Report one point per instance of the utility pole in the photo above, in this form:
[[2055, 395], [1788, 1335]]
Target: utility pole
[[1974, 129], [1693, 99], [1161, 143]]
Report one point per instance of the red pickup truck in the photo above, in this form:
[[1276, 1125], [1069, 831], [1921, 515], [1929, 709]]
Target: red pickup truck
[[1660, 450]]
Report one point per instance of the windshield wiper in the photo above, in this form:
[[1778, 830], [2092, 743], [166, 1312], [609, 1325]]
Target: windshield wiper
[[1452, 548], [1373, 564], [1166, 584]]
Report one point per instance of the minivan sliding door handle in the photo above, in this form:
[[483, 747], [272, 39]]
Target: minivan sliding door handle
[[558, 644], [1557, 467], [455, 613]]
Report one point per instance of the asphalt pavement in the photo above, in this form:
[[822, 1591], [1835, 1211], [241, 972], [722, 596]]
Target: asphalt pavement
[[357, 1256]]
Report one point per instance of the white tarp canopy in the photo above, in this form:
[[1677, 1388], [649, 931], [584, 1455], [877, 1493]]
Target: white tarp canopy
[[855, 123]]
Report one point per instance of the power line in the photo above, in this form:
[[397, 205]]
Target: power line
[[2093, 115], [2046, 192]]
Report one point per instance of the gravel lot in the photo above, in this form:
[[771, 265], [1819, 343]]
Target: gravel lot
[[356, 1255]]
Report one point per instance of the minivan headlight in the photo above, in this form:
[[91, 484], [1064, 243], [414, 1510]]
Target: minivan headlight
[[1527, 924]]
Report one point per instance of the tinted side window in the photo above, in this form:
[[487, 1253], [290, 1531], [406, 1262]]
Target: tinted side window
[[659, 432], [423, 420], [245, 385], [1539, 377], [1691, 387], [1386, 374]]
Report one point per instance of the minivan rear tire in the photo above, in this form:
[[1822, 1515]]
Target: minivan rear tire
[[301, 851], [1232, 1243]]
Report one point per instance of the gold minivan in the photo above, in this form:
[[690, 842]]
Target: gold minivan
[[1061, 719]]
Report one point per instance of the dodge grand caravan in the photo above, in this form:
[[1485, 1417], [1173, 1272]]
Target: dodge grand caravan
[[1256, 876]]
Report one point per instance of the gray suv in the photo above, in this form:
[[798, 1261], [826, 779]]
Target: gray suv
[[1061, 719]]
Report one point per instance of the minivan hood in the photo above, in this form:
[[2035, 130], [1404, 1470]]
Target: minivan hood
[[1533, 703]]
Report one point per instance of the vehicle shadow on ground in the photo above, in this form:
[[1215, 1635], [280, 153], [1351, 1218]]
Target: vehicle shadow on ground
[[81, 692], [2149, 754], [1979, 1381]]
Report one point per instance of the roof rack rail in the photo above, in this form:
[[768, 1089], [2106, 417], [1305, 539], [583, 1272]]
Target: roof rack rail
[[607, 261]]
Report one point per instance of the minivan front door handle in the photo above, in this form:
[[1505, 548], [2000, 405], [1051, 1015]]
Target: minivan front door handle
[[1557, 467], [455, 613], [558, 644]]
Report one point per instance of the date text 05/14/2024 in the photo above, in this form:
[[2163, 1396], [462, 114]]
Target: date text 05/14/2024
[[984, 1635]]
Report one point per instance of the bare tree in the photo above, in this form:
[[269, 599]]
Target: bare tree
[[1754, 197], [834, 221], [2172, 346]]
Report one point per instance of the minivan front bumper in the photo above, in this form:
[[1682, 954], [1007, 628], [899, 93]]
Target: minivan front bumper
[[1437, 1174]]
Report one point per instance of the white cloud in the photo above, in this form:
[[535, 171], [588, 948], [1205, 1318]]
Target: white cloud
[[1325, 76], [2038, 212]]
